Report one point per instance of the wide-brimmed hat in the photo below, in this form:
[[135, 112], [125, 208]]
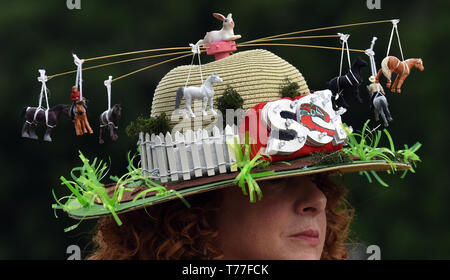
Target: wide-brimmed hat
[[275, 137]]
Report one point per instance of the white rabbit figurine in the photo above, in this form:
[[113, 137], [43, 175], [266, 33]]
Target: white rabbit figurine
[[224, 34]]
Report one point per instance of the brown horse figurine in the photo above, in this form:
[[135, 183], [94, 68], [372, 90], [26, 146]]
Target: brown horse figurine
[[81, 122], [401, 68]]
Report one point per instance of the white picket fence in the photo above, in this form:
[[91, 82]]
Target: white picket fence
[[187, 156]]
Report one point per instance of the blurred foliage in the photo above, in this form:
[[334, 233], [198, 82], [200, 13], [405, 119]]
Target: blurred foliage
[[408, 220]]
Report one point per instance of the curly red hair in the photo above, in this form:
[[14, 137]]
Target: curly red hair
[[171, 231]]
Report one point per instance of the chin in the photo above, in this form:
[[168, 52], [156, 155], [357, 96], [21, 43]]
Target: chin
[[306, 257], [298, 255]]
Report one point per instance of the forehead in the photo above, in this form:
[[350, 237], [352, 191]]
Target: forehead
[[287, 180]]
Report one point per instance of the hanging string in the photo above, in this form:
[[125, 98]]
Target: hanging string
[[296, 38], [318, 29], [373, 67], [256, 40], [108, 91], [371, 55], [344, 39], [297, 45], [117, 62], [136, 52], [190, 68], [195, 49], [43, 79], [151, 66], [395, 28], [79, 79], [270, 38], [180, 48], [199, 63], [244, 44]]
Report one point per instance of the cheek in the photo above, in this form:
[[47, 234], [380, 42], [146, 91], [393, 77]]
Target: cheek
[[248, 230], [322, 225], [322, 221]]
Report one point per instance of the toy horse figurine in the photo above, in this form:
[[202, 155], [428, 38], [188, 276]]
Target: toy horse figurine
[[352, 79], [379, 102], [109, 119], [205, 92], [81, 122], [401, 68], [50, 118]]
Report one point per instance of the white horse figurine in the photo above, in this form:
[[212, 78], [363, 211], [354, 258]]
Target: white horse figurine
[[205, 92]]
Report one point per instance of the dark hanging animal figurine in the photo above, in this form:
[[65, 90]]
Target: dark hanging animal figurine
[[379, 103], [109, 120], [352, 79], [34, 116], [391, 64]]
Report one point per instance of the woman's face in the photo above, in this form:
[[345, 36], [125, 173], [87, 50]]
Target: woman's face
[[288, 223]]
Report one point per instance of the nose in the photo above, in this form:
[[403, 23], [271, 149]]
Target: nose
[[310, 199]]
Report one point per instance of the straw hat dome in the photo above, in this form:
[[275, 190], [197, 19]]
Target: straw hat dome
[[255, 74]]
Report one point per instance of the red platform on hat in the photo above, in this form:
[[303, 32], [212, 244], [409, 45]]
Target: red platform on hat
[[221, 49]]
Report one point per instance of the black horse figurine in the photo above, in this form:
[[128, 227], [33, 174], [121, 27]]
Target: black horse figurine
[[34, 116], [110, 119], [352, 79]]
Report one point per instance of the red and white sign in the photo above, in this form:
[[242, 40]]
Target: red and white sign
[[291, 128]]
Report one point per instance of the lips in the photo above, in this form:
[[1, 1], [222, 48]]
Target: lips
[[310, 236]]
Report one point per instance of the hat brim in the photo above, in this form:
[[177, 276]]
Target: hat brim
[[204, 184]]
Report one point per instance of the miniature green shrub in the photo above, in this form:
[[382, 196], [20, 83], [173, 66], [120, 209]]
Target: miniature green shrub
[[229, 100], [338, 157], [160, 124], [289, 89]]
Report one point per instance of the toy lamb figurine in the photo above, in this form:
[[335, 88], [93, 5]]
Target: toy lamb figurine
[[224, 34]]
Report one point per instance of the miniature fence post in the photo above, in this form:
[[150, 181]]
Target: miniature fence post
[[161, 158], [192, 139], [218, 141], [201, 151], [154, 155], [179, 139], [148, 152], [171, 157], [207, 153], [229, 140], [142, 151]]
